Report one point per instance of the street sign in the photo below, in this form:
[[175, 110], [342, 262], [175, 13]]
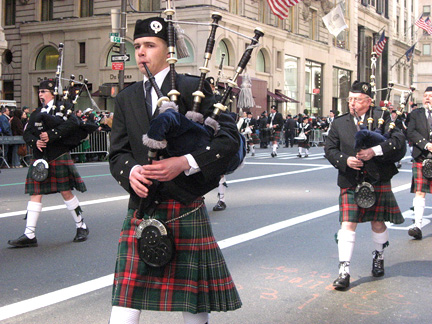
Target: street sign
[[115, 34], [117, 66], [116, 39], [120, 58], [116, 48]]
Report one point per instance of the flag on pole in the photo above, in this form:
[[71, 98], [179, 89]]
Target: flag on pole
[[335, 21], [424, 24], [379, 46], [409, 54], [281, 7]]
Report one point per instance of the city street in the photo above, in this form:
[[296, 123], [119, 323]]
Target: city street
[[277, 235]]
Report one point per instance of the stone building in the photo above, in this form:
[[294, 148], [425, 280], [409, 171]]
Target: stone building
[[299, 65], [424, 73]]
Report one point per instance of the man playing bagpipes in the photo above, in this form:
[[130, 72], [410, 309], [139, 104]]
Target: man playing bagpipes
[[420, 135], [196, 276], [50, 146], [365, 160]]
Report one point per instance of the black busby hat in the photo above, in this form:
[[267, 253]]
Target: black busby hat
[[210, 80], [428, 89], [47, 84], [361, 87], [151, 27]]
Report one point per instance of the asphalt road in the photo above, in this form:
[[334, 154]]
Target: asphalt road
[[277, 236]]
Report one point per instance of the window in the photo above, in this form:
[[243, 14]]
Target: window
[[86, 8], [290, 21], [261, 62], [47, 58], [263, 12], [223, 48], [426, 10], [279, 60], [426, 49], [341, 87], [10, 12], [342, 40], [82, 52], [313, 26], [191, 57], [47, 10], [313, 88], [146, 5], [234, 6], [8, 90], [291, 80]]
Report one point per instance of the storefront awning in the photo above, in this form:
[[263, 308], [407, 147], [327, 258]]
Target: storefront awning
[[276, 97], [280, 94]]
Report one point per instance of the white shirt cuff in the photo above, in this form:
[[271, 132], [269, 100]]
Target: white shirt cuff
[[378, 150], [133, 169], [194, 168]]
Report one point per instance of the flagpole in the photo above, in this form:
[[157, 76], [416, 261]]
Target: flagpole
[[404, 55]]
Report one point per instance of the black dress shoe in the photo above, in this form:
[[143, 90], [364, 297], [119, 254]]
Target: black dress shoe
[[220, 205], [416, 233], [342, 282], [377, 264], [81, 234], [23, 241], [299, 155]]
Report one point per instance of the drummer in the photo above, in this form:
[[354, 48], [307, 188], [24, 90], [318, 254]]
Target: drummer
[[375, 174]]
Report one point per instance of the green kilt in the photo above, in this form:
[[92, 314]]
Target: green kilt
[[419, 182], [385, 209], [197, 280], [62, 176]]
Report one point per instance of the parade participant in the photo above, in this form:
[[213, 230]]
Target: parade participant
[[138, 285], [306, 129], [248, 130], [419, 135], [63, 176], [372, 168], [221, 205], [275, 123], [290, 126], [263, 131]]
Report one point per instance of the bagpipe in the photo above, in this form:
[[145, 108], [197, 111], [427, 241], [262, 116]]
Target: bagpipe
[[179, 134], [367, 137], [62, 114]]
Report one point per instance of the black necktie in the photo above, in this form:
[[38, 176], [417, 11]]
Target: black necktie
[[148, 99], [430, 117]]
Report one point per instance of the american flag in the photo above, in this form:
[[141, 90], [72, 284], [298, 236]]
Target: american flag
[[379, 46], [424, 24], [280, 7]]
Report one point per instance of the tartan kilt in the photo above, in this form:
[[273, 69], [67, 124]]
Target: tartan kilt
[[275, 137], [304, 144], [196, 280], [385, 209], [255, 138], [419, 182], [62, 176]]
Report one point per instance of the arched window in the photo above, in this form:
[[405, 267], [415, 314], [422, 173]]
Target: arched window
[[223, 48], [47, 58], [261, 62], [129, 50]]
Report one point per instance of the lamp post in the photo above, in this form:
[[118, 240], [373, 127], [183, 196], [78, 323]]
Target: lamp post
[[122, 44]]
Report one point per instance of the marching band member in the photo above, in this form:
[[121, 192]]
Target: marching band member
[[306, 128], [275, 122], [419, 134], [376, 165], [63, 176], [196, 281]]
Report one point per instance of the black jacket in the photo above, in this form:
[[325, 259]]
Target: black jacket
[[340, 145], [418, 133]]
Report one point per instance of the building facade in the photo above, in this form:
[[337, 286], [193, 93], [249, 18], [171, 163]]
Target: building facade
[[424, 75], [299, 65]]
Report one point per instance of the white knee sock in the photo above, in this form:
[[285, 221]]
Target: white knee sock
[[199, 318], [75, 209], [124, 315], [419, 207], [252, 148], [300, 150], [33, 212], [380, 239], [346, 240], [275, 148]]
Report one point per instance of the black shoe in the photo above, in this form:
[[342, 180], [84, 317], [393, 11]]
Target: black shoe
[[273, 154], [81, 234], [306, 155], [415, 232], [299, 155], [343, 280], [23, 241], [377, 264], [219, 206], [253, 154], [398, 165]]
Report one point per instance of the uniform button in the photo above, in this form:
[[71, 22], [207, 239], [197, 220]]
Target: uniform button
[[208, 148], [121, 172], [126, 162], [218, 156], [119, 182]]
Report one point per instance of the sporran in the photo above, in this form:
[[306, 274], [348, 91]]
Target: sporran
[[427, 168], [40, 170], [364, 195]]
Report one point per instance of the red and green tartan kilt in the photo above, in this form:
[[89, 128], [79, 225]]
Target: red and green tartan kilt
[[275, 137], [385, 209], [62, 176], [255, 138], [419, 182], [196, 280]]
